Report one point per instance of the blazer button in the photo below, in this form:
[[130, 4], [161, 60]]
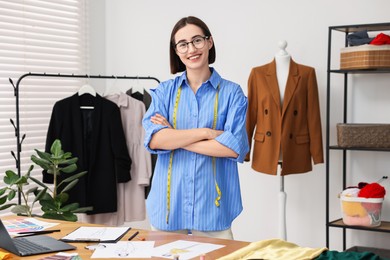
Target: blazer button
[[266, 111], [268, 133], [295, 112]]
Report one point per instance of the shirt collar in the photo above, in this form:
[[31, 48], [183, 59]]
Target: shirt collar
[[122, 100], [214, 79]]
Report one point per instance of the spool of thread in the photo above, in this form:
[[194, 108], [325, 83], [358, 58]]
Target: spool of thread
[[202, 257]]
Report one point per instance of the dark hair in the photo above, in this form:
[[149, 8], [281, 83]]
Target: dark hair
[[176, 64]]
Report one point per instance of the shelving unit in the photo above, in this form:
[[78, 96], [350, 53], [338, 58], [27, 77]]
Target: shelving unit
[[347, 29]]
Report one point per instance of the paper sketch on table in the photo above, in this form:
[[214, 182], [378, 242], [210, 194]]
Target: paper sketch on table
[[102, 234], [124, 249], [21, 224], [184, 249]]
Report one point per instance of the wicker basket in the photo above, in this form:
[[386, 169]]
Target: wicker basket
[[365, 57], [363, 135]]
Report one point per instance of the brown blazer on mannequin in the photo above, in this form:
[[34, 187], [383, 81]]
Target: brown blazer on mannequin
[[295, 128]]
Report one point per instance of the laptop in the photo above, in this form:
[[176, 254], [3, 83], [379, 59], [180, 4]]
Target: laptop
[[31, 245]]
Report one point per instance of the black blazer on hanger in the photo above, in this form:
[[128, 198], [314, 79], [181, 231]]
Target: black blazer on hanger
[[146, 98], [101, 150]]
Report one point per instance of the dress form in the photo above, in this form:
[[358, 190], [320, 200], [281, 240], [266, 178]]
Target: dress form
[[282, 60]]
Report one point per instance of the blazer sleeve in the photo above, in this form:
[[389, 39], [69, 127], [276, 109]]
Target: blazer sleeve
[[314, 120], [119, 147]]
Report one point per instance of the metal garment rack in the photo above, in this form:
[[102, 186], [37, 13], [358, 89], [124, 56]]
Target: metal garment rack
[[16, 125]]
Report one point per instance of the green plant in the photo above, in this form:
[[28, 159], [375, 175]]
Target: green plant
[[16, 185], [53, 200]]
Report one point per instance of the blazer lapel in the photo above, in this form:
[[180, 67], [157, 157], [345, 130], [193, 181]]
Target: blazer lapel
[[291, 85], [272, 82], [96, 128], [77, 125]]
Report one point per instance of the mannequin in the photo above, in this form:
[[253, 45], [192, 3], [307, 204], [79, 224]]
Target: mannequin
[[283, 121], [282, 61]]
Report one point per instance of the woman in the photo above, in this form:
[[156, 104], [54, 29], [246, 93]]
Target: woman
[[196, 125]]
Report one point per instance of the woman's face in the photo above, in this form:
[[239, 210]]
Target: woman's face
[[194, 58]]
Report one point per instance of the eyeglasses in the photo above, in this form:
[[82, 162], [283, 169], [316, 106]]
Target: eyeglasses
[[198, 42]]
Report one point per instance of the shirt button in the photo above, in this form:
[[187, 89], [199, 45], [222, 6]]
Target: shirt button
[[195, 115], [291, 136], [295, 112], [266, 111], [268, 133]]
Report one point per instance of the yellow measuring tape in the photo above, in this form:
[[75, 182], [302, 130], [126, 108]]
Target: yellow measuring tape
[[171, 155]]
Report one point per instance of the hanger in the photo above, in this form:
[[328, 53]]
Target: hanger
[[138, 87], [87, 89], [112, 89]]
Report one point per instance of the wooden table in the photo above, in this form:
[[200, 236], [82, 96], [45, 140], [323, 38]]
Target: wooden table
[[160, 238]]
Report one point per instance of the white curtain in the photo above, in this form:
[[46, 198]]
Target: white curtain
[[37, 36]]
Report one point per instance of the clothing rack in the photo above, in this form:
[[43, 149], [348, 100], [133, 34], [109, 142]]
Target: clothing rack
[[16, 125]]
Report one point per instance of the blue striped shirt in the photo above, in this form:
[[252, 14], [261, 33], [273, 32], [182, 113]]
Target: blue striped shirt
[[193, 189]]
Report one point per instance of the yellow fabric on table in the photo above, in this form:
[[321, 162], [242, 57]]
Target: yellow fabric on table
[[4, 255], [275, 249]]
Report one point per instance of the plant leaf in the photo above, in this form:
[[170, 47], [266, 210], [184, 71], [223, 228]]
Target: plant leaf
[[56, 149], [3, 199], [70, 185], [51, 215], [67, 155], [41, 162], [70, 207], [69, 169], [62, 198], [11, 194], [6, 206], [21, 180], [70, 161], [69, 216], [40, 194], [31, 190], [20, 209], [38, 182], [48, 205], [43, 155], [29, 171], [82, 209], [45, 197], [75, 176], [10, 178], [2, 191]]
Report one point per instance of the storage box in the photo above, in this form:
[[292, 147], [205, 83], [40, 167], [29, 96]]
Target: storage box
[[361, 211], [365, 57], [363, 135]]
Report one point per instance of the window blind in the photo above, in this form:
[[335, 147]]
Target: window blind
[[42, 37]]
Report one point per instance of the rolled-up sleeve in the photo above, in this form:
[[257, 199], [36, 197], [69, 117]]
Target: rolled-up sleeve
[[235, 136], [157, 106]]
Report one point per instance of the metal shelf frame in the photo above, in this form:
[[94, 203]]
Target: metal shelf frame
[[346, 29]]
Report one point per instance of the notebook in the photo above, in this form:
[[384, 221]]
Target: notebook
[[31, 245]]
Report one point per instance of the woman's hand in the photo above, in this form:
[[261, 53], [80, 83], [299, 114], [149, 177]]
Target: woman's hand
[[160, 120], [212, 134]]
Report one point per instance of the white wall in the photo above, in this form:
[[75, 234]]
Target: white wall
[[246, 34]]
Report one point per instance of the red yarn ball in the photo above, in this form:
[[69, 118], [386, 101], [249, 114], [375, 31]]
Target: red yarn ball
[[372, 190]]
